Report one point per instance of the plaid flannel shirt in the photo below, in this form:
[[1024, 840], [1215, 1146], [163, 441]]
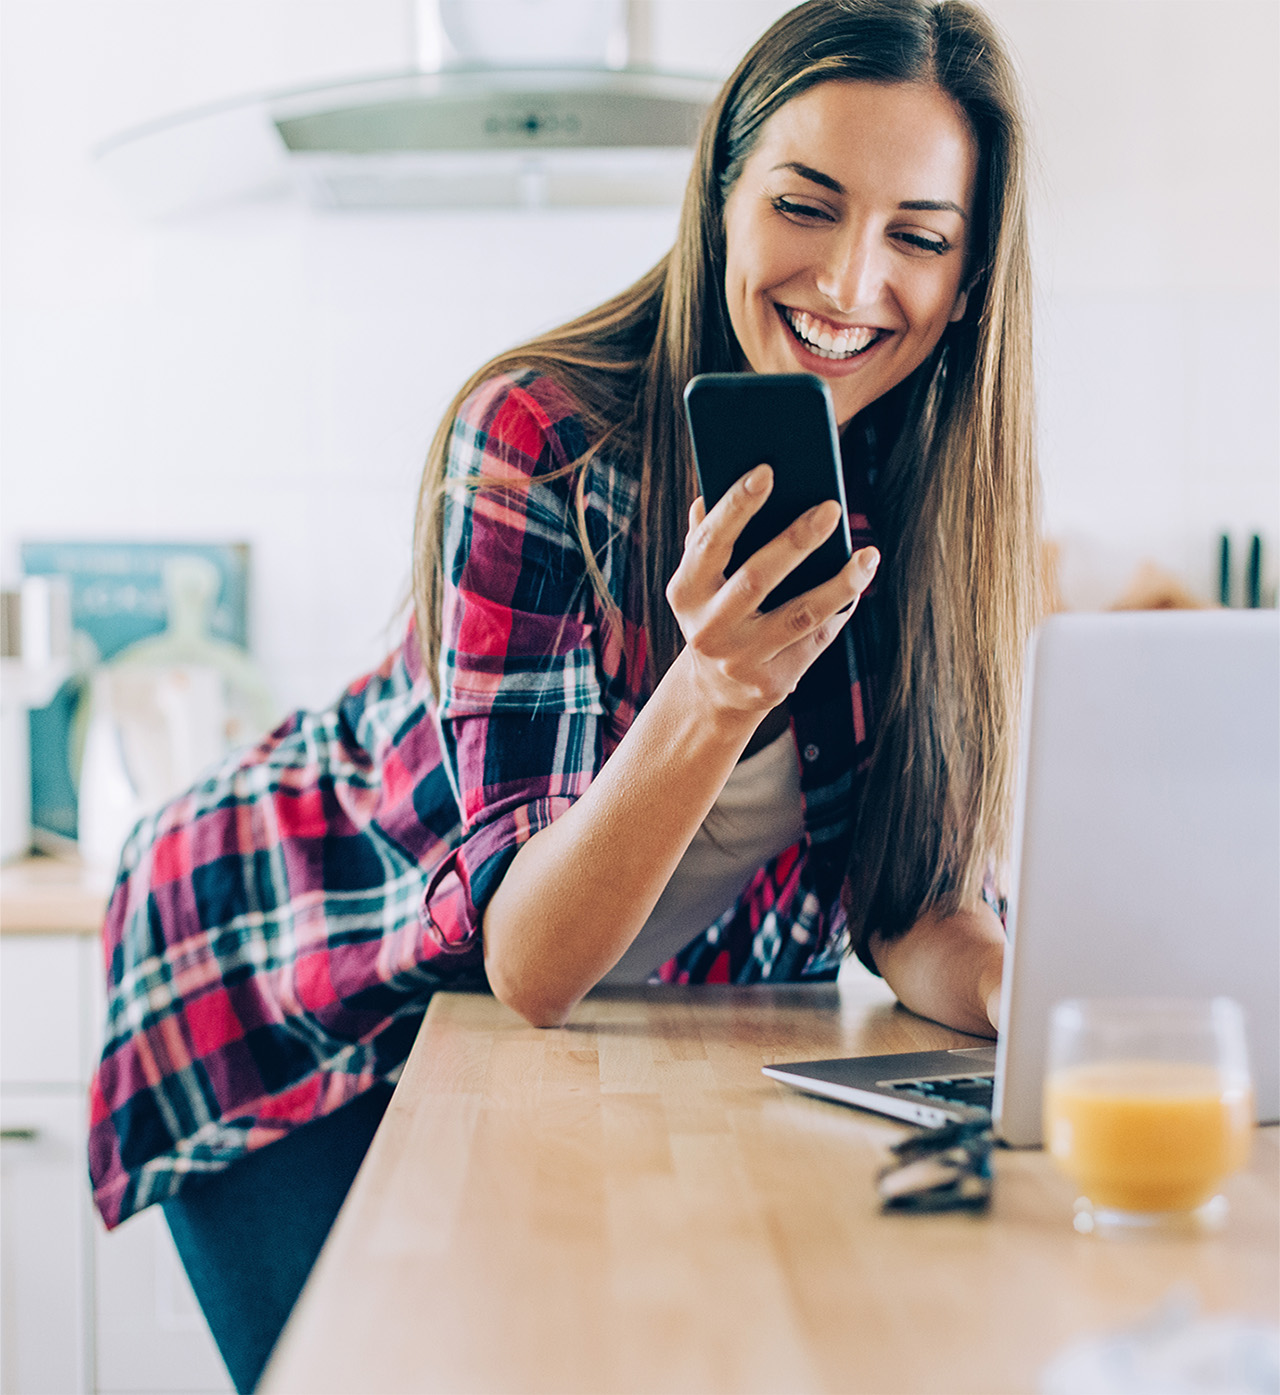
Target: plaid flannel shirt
[[274, 934]]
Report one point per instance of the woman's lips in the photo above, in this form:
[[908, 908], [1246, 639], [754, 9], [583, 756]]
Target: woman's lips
[[828, 348]]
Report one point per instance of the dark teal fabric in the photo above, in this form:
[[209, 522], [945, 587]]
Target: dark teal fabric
[[248, 1236]]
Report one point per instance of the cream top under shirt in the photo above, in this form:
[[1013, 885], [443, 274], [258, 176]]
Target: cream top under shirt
[[758, 815]]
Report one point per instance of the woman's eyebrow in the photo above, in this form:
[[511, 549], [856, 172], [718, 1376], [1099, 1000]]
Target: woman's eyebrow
[[907, 205], [809, 173], [933, 206]]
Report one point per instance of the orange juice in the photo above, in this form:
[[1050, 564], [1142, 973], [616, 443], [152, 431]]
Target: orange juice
[[1146, 1135]]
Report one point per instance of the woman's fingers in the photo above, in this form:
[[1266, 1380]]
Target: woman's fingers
[[759, 661], [747, 657], [712, 534], [711, 538], [764, 569], [708, 544], [832, 601], [807, 625], [838, 594]]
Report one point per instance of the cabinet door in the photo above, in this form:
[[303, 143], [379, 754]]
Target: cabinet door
[[44, 1242], [151, 1333], [43, 1023]]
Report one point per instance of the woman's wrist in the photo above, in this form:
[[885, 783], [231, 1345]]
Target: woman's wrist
[[715, 719]]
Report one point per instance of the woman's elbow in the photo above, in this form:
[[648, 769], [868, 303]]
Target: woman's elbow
[[538, 1007]]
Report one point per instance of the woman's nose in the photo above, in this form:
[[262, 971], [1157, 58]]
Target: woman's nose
[[853, 276]]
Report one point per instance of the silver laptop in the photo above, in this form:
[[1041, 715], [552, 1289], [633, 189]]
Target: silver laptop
[[1146, 857]]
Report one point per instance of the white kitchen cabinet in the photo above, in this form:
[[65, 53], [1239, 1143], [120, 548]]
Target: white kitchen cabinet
[[45, 1232], [84, 1312], [151, 1335], [45, 1020], [44, 1246]]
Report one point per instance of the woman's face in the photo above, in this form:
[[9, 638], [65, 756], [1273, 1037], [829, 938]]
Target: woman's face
[[846, 236]]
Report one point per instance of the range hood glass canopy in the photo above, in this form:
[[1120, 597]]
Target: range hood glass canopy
[[459, 137]]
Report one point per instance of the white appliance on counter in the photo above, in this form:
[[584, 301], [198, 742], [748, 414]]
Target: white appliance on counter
[[162, 712], [35, 644]]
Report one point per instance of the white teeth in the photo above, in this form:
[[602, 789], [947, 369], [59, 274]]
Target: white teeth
[[819, 338]]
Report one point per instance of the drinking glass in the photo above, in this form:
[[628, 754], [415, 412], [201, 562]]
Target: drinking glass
[[1148, 1107]]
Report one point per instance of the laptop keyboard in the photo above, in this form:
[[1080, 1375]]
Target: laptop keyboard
[[973, 1090]]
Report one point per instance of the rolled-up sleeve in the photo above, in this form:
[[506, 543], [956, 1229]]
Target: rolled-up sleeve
[[522, 714]]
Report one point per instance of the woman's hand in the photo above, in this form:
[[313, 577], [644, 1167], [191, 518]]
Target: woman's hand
[[989, 991], [948, 968], [744, 659]]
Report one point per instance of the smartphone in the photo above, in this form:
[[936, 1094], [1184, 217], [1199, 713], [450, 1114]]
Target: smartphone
[[740, 420]]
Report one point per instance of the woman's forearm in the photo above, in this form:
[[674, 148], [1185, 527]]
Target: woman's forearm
[[579, 890], [948, 968]]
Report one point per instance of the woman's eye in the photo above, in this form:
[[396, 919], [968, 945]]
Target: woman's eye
[[793, 208], [937, 245]]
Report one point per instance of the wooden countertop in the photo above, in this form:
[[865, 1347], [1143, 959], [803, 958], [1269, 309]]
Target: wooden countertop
[[52, 895], [627, 1205]]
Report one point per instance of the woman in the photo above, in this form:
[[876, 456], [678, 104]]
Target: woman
[[587, 715]]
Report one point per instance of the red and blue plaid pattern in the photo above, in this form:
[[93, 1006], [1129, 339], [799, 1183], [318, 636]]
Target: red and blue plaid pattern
[[274, 934]]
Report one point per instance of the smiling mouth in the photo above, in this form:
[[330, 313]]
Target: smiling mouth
[[818, 337]]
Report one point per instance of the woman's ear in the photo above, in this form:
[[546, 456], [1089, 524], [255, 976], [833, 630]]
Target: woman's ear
[[972, 285]]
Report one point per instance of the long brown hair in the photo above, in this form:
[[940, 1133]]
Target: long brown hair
[[956, 500]]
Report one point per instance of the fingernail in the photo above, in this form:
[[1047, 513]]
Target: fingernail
[[755, 481], [870, 559]]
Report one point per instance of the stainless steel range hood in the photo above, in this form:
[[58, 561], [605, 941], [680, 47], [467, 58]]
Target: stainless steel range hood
[[485, 136], [456, 138], [509, 103]]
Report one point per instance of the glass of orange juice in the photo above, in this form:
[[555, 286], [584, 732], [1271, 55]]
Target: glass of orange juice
[[1148, 1106]]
